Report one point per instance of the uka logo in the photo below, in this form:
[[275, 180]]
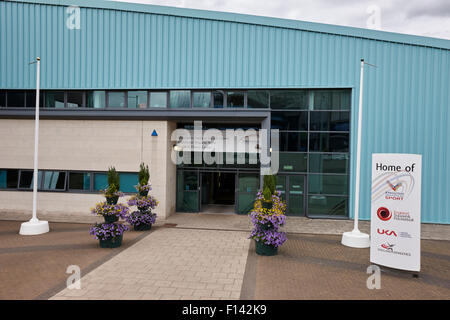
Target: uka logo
[[387, 232]]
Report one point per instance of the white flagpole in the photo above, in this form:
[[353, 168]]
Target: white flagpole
[[34, 226], [355, 238]]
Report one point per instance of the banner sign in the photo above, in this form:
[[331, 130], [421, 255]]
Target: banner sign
[[395, 210]]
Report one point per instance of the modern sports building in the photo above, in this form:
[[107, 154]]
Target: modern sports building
[[118, 78]]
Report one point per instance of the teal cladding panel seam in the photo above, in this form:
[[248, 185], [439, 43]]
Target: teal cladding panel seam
[[406, 98]]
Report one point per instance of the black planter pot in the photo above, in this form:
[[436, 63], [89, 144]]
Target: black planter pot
[[142, 227], [265, 249], [111, 219], [112, 200], [111, 242]]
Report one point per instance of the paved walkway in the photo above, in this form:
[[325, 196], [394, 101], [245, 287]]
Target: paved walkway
[[171, 263]]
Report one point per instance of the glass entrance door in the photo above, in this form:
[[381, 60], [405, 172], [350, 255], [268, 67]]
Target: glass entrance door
[[188, 191], [247, 185], [292, 188]]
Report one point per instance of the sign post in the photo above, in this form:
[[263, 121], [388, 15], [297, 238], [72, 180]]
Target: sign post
[[395, 210]]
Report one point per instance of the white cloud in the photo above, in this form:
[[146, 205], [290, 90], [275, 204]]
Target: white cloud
[[427, 18]]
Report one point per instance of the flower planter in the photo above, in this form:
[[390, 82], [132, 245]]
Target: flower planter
[[112, 200], [265, 249], [142, 227], [111, 219], [111, 242]]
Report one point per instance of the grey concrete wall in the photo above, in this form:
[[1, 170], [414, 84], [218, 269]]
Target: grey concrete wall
[[85, 145]]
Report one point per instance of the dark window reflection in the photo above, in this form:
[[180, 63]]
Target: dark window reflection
[[290, 120], [16, 99], [293, 141], [329, 121], [328, 142]]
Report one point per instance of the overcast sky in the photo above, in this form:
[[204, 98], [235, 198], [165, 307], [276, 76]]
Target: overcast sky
[[420, 17]]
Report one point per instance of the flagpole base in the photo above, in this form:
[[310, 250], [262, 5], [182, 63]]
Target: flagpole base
[[34, 227], [355, 239]]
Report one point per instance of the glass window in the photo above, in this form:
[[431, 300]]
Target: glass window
[[327, 205], [128, 181], [9, 179], [328, 142], [2, 98], [296, 189], [258, 99], [292, 162], [329, 121], [26, 179], [218, 98], [96, 99], [80, 181], [328, 184], [180, 99], [137, 99], [54, 180], [201, 99], [328, 163], [30, 99], [100, 181], [332, 99], [289, 99], [16, 99], [158, 99], [235, 99], [75, 99], [248, 182], [54, 99], [290, 120], [116, 99], [293, 141], [281, 186]]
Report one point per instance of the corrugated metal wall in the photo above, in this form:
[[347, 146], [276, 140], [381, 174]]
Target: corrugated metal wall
[[406, 99]]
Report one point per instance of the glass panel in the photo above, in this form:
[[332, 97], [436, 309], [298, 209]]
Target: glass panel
[[328, 163], [248, 182], [292, 162], [332, 99], [16, 99], [100, 181], [187, 201], [137, 100], [245, 202], [296, 192], [289, 99], [96, 99], [79, 181], [290, 120], [75, 99], [328, 184], [180, 99], [128, 181], [218, 98], [30, 99], [116, 99], [158, 99], [327, 205], [281, 186], [2, 99], [54, 180], [8, 179], [235, 99], [293, 141], [330, 121], [258, 99], [53, 99], [187, 191], [26, 179], [201, 99], [328, 142]]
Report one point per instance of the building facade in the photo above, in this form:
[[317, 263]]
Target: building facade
[[118, 79]]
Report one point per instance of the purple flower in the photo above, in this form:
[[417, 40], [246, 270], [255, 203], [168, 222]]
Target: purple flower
[[104, 231], [105, 209], [144, 203], [137, 217]]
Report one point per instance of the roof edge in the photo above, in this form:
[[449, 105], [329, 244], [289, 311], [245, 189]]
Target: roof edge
[[252, 19]]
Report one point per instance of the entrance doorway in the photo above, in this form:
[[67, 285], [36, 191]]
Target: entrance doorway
[[217, 192]]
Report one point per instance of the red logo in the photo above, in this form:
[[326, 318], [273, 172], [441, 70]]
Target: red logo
[[387, 232], [384, 214]]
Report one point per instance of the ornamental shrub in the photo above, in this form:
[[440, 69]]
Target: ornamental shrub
[[144, 174]]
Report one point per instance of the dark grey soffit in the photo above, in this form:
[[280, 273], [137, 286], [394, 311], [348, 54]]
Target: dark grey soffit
[[223, 115]]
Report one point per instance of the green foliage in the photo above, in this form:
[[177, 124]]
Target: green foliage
[[270, 182], [144, 174], [267, 194], [113, 181]]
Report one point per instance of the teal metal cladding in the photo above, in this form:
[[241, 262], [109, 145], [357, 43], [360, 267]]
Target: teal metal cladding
[[406, 98]]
